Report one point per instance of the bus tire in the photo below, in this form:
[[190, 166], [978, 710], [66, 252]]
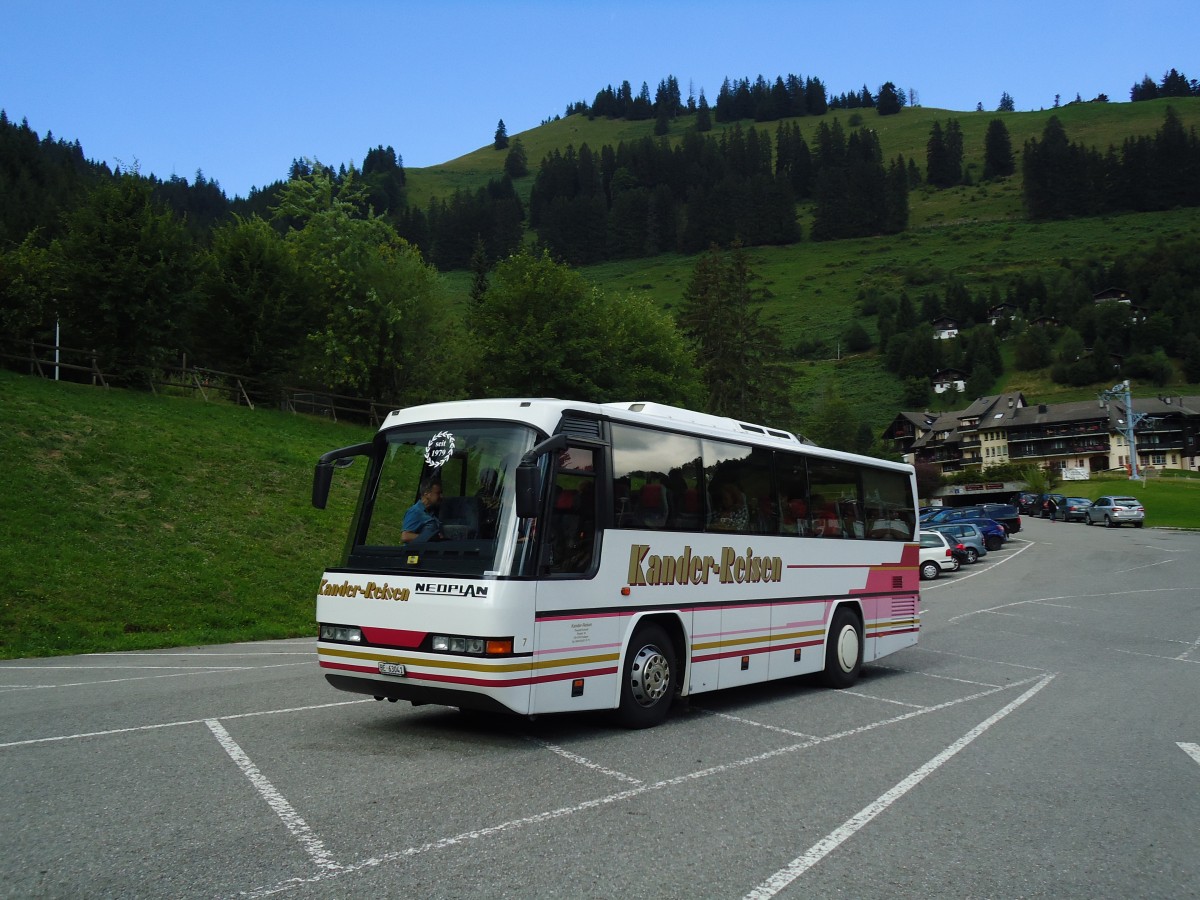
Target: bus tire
[[843, 649], [647, 678]]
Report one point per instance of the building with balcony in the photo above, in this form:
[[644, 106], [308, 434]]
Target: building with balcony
[[1088, 435]]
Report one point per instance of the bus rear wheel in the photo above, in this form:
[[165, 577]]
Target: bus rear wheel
[[648, 678], [843, 650]]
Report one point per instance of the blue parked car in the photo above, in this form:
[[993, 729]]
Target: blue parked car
[[994, 534]]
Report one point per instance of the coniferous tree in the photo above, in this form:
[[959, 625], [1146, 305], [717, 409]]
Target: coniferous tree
[[1057, 175], [997, 151], [131, 275], [936, 160], [516, 164], [703, 117], [739, 355], [1006, 103], [501, 140], [890, 100], [479, 272]]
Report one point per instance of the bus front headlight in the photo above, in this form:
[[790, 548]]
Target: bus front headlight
[[344, 633]]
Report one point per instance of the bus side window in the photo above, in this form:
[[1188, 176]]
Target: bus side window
[[656, 479], [836, 499]]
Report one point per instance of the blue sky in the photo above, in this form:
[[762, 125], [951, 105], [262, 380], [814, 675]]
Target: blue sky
[[240, 89]]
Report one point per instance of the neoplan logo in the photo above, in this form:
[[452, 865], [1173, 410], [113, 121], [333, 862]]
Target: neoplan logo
[[453, 590]]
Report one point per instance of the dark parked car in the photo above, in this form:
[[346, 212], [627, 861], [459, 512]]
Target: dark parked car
[[1003, 513], [1006, 514], [1060, 503], [1030, 503], [1075, 509], [994, 534]]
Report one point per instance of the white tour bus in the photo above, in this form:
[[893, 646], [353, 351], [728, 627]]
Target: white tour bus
[[609, 556]]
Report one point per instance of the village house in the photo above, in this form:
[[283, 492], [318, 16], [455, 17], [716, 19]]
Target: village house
[[1085, 435]]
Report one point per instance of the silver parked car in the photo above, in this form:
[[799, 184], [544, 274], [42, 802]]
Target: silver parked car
[[1116, 510], [974, 545]]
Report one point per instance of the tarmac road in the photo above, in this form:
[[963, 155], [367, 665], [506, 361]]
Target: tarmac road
[[1042, 740]]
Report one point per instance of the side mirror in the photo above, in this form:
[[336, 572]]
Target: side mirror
[[323, 473], [528, 493]]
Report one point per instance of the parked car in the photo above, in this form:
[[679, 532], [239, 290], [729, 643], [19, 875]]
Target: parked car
[[937, 514], [1075, 509], [1059, 502], [994, 534], [948, 514], [1030, 503], [1116, 510], [970, 539], [936, 555], [1006, 514]]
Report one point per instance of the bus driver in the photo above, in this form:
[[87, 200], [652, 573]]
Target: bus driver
[[420, 525]]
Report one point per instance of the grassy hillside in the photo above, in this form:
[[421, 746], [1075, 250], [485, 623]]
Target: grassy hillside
[[1096, 124], [977, 233], [132, 520]]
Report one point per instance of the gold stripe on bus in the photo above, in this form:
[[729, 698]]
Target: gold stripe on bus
[[460, 663], [734, 642]]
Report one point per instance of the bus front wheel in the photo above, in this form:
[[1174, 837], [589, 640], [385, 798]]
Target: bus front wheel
[[843, 650], [648, 678]]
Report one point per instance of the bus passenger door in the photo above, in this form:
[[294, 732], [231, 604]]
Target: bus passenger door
[[570, 673]]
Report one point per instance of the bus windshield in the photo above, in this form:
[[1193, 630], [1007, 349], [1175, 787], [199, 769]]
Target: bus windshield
[[441, 500]]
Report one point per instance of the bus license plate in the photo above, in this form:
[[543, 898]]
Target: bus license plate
[[391, 669]]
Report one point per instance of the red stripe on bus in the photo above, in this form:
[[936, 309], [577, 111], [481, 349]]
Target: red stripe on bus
[[478, 682], [394, 637], [750, 652], [895, 631]]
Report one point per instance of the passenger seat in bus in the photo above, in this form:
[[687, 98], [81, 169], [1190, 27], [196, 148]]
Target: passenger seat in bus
[[827, 523], [795, 517], [653, 508], [688, 514]]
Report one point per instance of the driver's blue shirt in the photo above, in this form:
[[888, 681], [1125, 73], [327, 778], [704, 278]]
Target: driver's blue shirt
[[421, 521]]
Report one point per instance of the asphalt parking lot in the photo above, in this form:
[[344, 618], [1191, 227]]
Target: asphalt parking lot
[[1043, 739]]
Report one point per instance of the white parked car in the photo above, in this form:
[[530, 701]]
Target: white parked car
[[1116, 510], [936, 555]]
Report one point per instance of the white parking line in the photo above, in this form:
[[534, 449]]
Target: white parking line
[[597, 802], [1164, 562], [155, 727], [801, 864], [881, 699], [1192, 750], [585, 762], [1045, 600], [292, 820], [206, 670], [1192, 648], [958, 577]]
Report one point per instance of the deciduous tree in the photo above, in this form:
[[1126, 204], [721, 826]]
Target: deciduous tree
[[542, 330]]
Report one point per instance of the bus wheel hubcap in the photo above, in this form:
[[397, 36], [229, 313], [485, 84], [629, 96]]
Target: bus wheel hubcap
[[650, 677], [848, 648]]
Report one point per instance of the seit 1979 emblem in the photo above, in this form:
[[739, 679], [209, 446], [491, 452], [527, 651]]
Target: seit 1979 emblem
[[439, 449]]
